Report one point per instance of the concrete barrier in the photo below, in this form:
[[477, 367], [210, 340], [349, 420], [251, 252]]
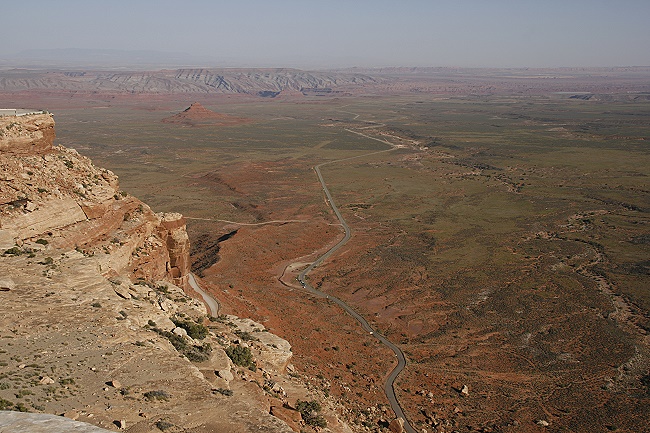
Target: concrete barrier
[[19, 112]]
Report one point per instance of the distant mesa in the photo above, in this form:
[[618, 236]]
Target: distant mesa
[[197, 115]]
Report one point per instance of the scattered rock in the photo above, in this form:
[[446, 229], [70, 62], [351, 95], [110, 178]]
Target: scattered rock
[[464, 390], [225, 375], [180, 331], [114, 383], [122, 291], [72, 414], [121, 424], [167, 305], [542, 423], [46, 380], [7, 284], [396, 425]]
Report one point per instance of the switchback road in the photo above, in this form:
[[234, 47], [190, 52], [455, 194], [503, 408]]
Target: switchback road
[[212, 303], [389, 389]]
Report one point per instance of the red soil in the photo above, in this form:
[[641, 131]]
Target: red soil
[[197, 115]]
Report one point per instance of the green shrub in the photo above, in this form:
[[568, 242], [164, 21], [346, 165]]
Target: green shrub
[[163, 425], [193, 353], [194, 330], [157, 395], [309, 411], [240, 356], [13, 251], [198, 353]]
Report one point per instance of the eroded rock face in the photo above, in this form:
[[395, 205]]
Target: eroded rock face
[[26, 135], [56, 195], [178, 247]]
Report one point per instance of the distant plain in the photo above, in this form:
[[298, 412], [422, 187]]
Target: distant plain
[[506, 245]]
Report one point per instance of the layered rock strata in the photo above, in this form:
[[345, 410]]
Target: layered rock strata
[[56, 195]]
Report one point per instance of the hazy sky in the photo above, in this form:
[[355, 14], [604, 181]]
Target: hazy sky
[[309, 33]]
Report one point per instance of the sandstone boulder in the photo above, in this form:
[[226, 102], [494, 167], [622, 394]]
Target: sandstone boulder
[[7, 239], [396, 425], [291, 416], [225, 374], [7, 284]]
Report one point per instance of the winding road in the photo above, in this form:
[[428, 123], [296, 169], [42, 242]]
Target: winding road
[[212, 303], [389, 389]]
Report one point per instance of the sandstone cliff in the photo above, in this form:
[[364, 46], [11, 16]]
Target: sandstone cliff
[[56, 195], [26, 134]]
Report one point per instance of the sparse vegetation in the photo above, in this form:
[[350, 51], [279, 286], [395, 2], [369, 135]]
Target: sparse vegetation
[[310, 413], [163, 425], [194, 330], [193, 353], [224, 391], [241, 356], [157, 395], [13, 251]]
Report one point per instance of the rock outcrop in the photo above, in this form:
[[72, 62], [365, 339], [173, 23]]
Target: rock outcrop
[[197, 115], [20, 422], [174, 232], [54, 194], [25, 135]]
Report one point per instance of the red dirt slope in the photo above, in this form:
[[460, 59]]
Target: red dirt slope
[[198, 115]]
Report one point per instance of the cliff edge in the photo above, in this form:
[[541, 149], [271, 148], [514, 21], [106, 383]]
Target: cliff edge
[[53, 194], [96, 323]]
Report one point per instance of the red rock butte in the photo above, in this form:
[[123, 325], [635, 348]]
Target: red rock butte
[[197, 115]]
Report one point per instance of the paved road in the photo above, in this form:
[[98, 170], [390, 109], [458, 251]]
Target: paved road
[[401, 359], [212, 303]]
